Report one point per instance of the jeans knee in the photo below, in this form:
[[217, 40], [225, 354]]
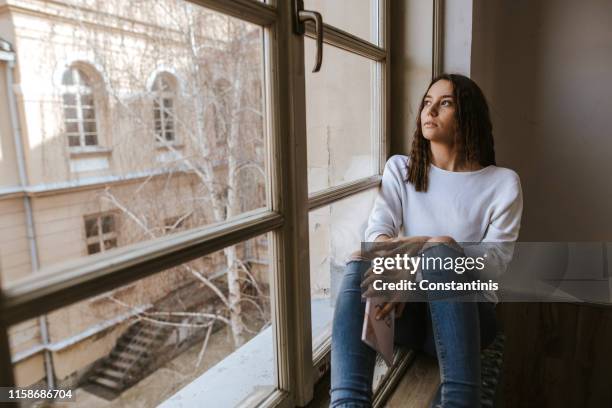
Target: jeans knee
[[440, 264]]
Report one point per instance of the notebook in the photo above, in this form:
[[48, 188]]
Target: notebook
[[378, 334]]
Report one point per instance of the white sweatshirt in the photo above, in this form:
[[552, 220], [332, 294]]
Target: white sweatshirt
[[476, 206]]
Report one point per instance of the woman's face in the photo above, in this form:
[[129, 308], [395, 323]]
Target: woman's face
[[438, 122]]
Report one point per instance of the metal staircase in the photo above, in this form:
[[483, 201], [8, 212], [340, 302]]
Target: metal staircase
[[146, 345], [133, 357]]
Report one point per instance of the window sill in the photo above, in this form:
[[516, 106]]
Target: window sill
[[248, 369], [76, 152], [167, 146]]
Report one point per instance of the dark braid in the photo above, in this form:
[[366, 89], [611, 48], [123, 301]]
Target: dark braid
[[473, 122]]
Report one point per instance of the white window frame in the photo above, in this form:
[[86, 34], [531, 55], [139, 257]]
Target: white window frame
[[159, 98], [101, 236], [286, 217], [79, 90]]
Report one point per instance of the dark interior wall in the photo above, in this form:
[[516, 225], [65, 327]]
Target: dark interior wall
[[545, 67]]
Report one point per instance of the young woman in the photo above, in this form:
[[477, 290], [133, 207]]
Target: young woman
[[448, 191]]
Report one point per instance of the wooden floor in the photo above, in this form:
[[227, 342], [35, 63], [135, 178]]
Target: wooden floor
[[416, 389]]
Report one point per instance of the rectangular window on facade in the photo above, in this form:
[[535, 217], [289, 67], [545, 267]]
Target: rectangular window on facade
[[100, 233], [79, 108]]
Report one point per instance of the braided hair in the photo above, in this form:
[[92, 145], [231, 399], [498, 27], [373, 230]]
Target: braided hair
[[473, 123]]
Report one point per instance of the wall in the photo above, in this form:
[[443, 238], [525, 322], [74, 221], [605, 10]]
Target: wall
[[457, 36], [411, 58], [545, 68]]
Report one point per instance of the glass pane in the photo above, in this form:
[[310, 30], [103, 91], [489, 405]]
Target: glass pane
[[93, 248], [108, 224], [135, 178], [336, 231], [70, 113], [91, 140], [340, 119], [69, 99], [142, 343], [91, 227], [74, 141], [87, 100], [88, 114], [110, 243], [67, 78], [357, 17], [72, 127], [89, 127]]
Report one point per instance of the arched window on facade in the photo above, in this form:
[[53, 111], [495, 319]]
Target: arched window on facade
[[79, 108], [164, 91]]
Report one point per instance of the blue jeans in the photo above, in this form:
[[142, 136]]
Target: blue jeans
[[452, 331]]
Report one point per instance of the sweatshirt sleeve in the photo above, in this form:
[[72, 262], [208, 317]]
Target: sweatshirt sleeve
[[498, 243], [386, 216]]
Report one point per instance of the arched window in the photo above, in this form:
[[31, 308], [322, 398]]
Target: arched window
[[164, 90], [79, 108]]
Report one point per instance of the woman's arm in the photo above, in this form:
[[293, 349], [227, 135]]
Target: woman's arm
[[502, 232], [387, 214]]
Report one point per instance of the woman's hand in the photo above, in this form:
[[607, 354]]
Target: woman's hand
[[388, 306], [443, 239], [389, 248], [410, 246]]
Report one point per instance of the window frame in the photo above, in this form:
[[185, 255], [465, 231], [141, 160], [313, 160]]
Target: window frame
[[286, 218], [159, 105], [78, 90], [101, 237]]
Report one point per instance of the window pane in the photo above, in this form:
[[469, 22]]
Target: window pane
[[67, 78], [110, 243], [70, 113], [335, 231], [89, 127], [74, 141], [91, 140], [142, 343], [88, 114], [69, 99], [341, 121], [135, 178], [358, 17], [93, 248], [72, 127], [87, 100], [108, 224], [91, 227]]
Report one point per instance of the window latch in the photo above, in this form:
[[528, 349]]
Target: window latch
[[299, 20]]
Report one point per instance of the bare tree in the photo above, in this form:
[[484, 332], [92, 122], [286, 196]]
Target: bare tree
[[217, 113]]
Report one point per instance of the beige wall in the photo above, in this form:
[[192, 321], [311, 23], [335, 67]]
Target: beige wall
[[545, 67], [411, 58], [14, 248], [9, 176]]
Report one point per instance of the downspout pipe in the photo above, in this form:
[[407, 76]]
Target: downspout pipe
[[8, 55]]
